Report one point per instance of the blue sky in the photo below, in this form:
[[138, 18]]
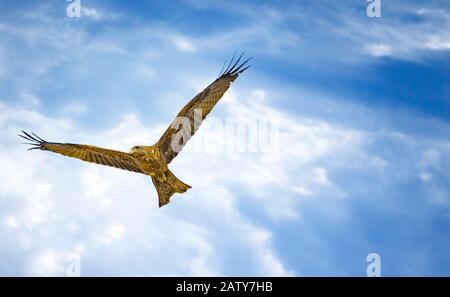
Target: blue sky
[[363, 106]]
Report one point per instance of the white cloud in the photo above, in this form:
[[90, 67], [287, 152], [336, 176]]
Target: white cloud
[[114, 232], [379, 50], [31, 99], [74, 109], [90, 12], [350, 35], [438, 43], [183, 44], [302, 191], [395, 37], [47, 263], [426, 177], [321, 176], [12, 222]]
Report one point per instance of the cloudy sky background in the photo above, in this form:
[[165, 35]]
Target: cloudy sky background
[[363, 109]]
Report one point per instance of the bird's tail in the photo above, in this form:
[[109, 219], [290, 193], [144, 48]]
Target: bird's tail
[[169, 187]]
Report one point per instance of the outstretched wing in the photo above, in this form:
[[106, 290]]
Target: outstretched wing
[[87, 153], [191, 116]]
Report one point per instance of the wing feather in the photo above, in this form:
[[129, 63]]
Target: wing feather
[[86, 153], [201, 104]]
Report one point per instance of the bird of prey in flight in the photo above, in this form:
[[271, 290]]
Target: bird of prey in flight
[[153, 160]]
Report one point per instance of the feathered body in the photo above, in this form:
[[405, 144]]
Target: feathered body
[[153, 160]]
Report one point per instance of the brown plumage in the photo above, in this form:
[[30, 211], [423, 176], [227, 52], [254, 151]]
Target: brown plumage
[[153, 160]]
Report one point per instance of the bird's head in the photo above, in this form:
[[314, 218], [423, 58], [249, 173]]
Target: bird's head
[[141, 150], [137, 150]]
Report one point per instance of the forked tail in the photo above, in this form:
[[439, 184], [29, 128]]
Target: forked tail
[[169, 187]]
